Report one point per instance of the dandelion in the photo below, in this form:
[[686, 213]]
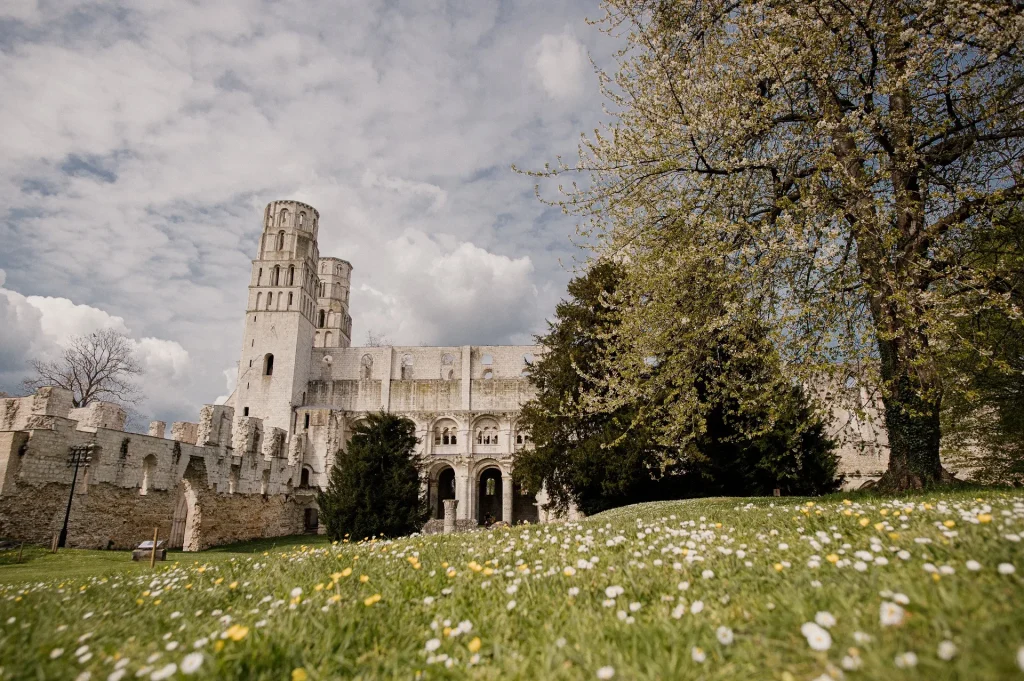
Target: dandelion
[[890, 614], [817, 638], [724, 635], [825, 619], [947, 650], [299, 674], [474, 645], [698, 655], [370, 600], [606, 672], [906, 660]]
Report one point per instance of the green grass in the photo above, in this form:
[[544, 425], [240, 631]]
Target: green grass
[[39, 564], [237, 605]]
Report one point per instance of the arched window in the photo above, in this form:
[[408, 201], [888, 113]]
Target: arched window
[[259, 277], [304, 479], [259, 300], [327, 339], [321, 289], [268, 365], [270, 299], [367, 368], [490, 487], [275, 279], [280, 240], [447, 362], [406, 367], [446, 432], [289, 301], [320, 319], [282, 218], [302, 219], [148, 468], [291, 275], [519, 438]]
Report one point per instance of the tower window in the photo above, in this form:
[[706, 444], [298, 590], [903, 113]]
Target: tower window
[[302, 219], [245, 411], [306, 422], [270, 299], [406, 367], [259, 276], [320, 320], [289, 301], [291, 275], [283, 218], [268, 365], [280, 240], [367, 363], [275, 279]]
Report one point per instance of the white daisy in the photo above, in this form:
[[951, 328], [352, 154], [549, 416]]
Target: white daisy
[[191, 663], [817, 637]]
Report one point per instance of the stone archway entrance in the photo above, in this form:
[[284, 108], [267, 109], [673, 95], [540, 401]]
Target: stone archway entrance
[[489, 497], [445, 490], [186, 520]]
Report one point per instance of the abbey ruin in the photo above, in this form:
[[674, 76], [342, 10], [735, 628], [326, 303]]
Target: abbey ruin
[[249, 467]]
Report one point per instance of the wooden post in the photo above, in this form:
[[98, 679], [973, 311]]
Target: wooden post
[[21, 548], [152, 556]]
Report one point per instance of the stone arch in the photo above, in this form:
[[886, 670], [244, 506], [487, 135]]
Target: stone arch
[[447, 366], [366, 368], [489, 493], [486, 430], [440, 486], [406, 369], [445, 431], [187, 519]]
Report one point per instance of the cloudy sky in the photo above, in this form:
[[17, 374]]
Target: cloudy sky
[[142, 140]]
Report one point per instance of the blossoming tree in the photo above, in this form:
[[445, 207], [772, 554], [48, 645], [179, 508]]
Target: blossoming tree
[[821, 165]]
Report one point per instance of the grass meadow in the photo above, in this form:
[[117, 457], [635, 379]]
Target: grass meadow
[[925, 586]]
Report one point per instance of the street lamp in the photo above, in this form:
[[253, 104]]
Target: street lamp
[[78, 455]]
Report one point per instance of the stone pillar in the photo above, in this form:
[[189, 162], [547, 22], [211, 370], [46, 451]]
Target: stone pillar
[[450, 507], [157, 428], [462, 490], [506, 497]]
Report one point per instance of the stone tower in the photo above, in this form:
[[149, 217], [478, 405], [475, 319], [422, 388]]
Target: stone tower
[[280, 316], [333, 322]]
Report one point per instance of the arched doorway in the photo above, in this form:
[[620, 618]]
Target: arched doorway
[[489, 497], [185, 523], [445, 490]]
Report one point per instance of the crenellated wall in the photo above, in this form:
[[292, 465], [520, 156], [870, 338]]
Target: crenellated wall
[[239, 484]]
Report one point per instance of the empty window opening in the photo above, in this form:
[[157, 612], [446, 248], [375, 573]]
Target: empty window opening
[[406, 367], [305, 423], [291, 275], [259, 301], [270, 299], [491, 487], [280, 240], [148, 468], [283, 217], [487, 360], [302, 219], [367, 368], [245, 410], [259, 277], [268, 365], [488, 375], [304, 478], [320, 319], [289, 301]]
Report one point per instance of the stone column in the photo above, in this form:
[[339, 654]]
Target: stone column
[[450, 507], [462, 490], [506, 496]]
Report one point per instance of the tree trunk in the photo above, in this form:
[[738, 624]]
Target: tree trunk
[[912, 403]]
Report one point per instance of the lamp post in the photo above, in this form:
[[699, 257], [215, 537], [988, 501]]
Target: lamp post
[[78, 455]]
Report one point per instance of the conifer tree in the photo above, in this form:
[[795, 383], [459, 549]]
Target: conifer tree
[[374, 486]]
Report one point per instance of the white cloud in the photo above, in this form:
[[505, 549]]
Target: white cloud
[[142, 141], [560, 62]]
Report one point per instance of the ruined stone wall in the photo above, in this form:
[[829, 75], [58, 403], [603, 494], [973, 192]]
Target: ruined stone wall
[[133, 482]]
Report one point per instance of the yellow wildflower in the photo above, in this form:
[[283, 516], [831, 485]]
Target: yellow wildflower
[[236, 632], [371, 600], [299, 674], [364, 578], [474, 645], [985, 518], [949, 523], [864, 522], [832, 558]]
